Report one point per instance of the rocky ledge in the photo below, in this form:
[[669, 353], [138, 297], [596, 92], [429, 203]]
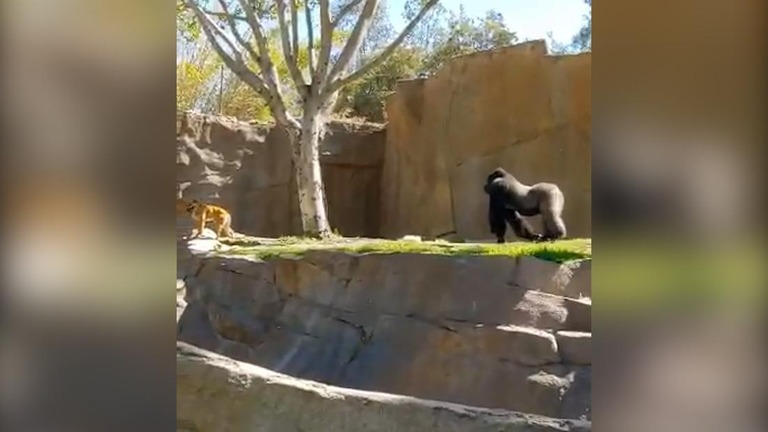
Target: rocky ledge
[[493, 331], [217, 394]]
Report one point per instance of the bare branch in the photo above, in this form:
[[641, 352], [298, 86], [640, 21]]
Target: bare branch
[[233, 26], [267, 67], [295, 28], [290, 60], [326, 42], [234, 61], [213, 30], [379, 59], [268, 85], [355, 39], [349, 7], [310, 40], [224, 15]]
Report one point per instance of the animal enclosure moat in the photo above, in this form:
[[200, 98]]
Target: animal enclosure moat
[[494, 326]]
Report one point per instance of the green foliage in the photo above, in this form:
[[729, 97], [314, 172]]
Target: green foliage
[[239, 100], [365, 98], [204, 84], [580, 42], [191, 78], [438, 38], [468, 35], [380, 33], [187, 26]]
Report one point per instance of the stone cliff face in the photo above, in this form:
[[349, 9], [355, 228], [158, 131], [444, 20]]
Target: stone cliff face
[[217, 394], [248, 169], [483, 331], [515, 107]]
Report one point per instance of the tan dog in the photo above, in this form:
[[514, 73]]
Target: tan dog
[[202, 213]]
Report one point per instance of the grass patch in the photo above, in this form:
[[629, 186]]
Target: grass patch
[[559, 251]]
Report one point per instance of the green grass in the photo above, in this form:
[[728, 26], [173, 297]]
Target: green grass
[[559, 251]]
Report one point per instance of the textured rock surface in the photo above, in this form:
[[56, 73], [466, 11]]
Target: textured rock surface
[[458, 329], [575, 347], [248, 169], [217, 394], [514, 107]]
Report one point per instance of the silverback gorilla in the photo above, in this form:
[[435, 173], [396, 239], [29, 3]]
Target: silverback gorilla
[[509, 201]]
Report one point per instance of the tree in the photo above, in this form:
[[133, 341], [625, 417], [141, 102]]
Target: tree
[[205, 85], [431, 31], [582, 41], [365, 98], [317, 85], [469, 35], [379, 34], [448, 35]]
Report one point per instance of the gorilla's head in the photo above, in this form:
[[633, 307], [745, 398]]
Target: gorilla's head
[[497, 173]]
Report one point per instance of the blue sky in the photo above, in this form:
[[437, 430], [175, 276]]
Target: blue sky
[[531, 19]]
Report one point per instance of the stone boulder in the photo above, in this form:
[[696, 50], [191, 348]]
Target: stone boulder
[[217, 394]]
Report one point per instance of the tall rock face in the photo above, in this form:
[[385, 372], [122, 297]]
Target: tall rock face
[[515, 107], [248, 169]]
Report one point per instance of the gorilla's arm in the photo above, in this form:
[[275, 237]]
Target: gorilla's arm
[[499, 214], [496, 218], [521, 227]]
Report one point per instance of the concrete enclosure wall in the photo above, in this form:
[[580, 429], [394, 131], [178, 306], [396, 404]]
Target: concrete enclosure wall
[[516, 107], [248, 169]]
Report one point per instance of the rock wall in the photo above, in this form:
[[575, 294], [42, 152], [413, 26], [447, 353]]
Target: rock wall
[[248, 169], [217, 394], [515, 107], [482, 331]]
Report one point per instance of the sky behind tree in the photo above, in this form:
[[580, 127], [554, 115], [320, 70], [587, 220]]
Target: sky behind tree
[[530, 19]]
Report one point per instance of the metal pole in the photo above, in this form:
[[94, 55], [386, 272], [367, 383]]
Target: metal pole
[[221, 85]]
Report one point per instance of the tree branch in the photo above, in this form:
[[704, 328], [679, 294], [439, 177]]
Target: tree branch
[[326, 42], [310, 41], [379, 59], [355, 39], [295, 29], [224, 15], [235, 61], [233, 26], [349, 7], [290, 60], [267, 86], [267, 67], [213, 29]]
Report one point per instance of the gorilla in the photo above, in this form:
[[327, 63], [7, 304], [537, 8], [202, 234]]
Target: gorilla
[[509, 201]]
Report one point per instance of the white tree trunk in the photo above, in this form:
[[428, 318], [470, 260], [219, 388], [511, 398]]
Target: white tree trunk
[[309, 181]]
